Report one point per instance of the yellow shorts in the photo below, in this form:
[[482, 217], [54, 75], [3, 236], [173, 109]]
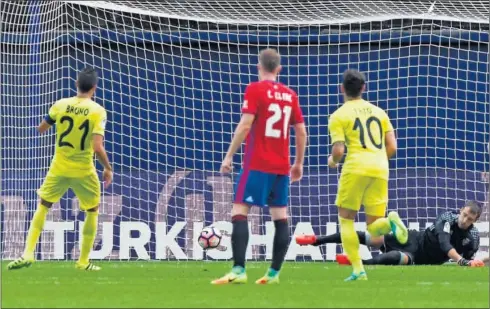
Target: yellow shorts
[[86, 189], [356, 190]]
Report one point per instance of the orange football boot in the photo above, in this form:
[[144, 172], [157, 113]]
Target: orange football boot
[[342, 259], [304, 240]]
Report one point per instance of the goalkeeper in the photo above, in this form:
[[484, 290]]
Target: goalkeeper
[[453, 236]]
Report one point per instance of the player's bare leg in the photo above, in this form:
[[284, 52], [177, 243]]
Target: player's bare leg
[[239, 242], [35, 229], [350, 242], [280, 246], [88, 237]]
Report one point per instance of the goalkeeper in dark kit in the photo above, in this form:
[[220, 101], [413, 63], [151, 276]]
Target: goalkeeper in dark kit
[[452, 237]]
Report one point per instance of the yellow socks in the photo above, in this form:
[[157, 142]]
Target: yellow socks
[[35, 230], [379, 227], [88, 235], [350, 242], [37, 224]]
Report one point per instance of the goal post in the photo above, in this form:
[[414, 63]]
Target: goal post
[[172, 77]]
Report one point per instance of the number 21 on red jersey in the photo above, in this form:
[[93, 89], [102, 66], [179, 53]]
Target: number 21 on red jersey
[[283, 114], [278, 102]]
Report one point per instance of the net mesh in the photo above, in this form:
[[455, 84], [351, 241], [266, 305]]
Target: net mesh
[[172, 78], [300, 12]]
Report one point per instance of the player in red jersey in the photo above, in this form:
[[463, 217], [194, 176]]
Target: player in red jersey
[[269, 109]]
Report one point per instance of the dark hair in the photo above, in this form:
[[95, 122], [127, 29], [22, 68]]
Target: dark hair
[[87, 79], [475, 207], [269, 59], [353, 82]]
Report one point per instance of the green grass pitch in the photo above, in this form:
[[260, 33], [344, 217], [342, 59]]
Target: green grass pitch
[[159, 284]]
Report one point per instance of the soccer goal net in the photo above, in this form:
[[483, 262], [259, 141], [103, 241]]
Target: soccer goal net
[[172, 77]]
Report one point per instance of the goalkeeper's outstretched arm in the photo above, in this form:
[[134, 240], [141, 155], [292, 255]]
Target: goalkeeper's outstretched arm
[[442, 231]]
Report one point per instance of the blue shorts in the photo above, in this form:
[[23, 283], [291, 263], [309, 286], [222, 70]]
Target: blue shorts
[[261, 189]]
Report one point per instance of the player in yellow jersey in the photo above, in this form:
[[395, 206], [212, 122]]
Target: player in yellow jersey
[[80, 125], [367, 132]]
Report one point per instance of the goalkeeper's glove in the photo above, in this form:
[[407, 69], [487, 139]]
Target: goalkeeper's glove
[[471, 263]]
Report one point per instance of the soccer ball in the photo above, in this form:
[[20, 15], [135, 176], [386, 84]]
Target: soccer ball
[[209, 238]]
